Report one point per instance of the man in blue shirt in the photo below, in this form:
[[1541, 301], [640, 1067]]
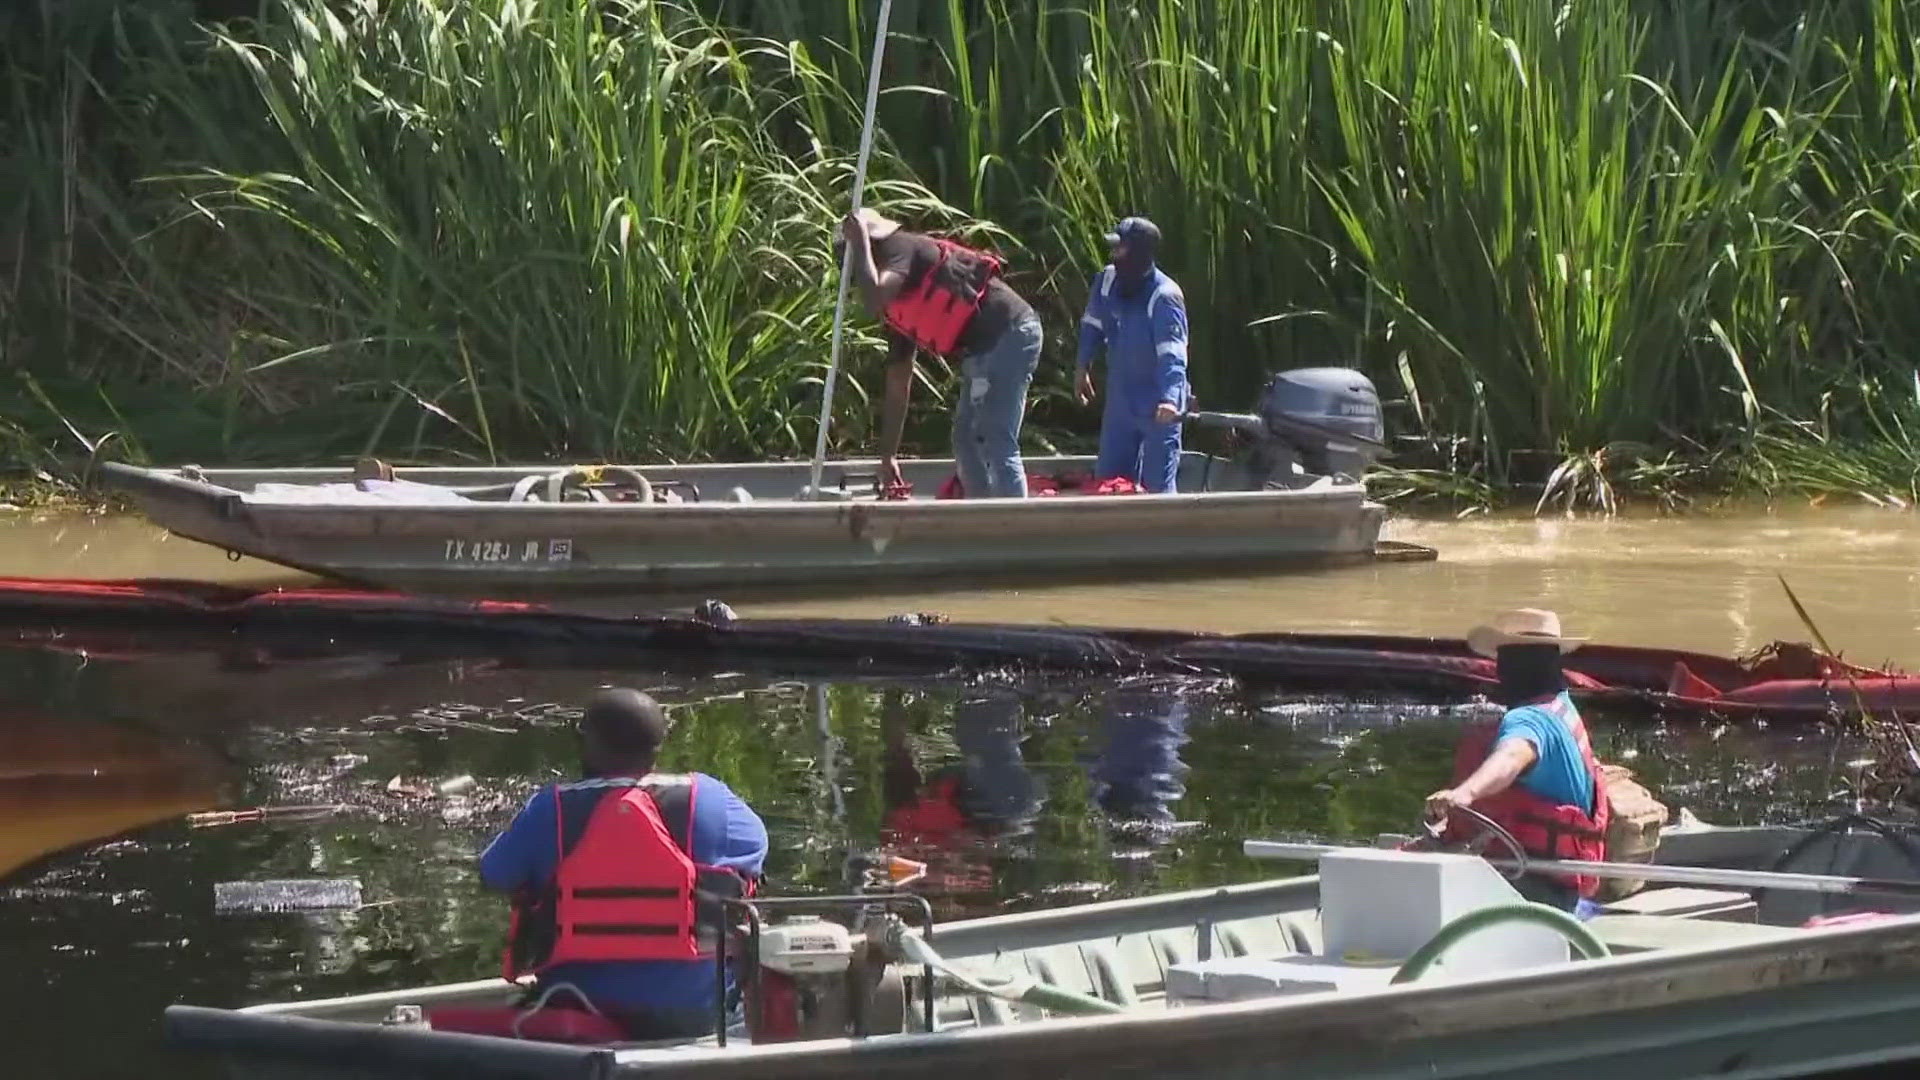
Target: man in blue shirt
[[1137, 315], [1536, 775], [1538, 739], [621, 734]]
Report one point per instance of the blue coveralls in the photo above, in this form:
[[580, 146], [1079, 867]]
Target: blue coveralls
[[1145, 337]]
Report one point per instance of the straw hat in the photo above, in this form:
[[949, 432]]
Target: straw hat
[[1521, 626], [879, 226]]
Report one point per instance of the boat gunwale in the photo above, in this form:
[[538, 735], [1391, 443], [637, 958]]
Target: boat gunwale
[[164, 486]]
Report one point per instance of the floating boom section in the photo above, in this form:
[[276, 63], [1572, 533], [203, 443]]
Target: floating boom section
[[108, 618]]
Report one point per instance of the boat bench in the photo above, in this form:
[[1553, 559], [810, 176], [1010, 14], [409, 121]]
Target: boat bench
[[1130, 969], [1647, 933]]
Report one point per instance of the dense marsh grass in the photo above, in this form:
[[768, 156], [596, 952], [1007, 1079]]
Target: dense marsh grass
[[1610, 232]]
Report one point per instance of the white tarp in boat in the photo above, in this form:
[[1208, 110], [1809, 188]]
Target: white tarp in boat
[[359, 492]]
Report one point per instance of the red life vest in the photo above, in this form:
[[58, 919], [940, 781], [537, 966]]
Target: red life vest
[[934, 816], [1545, 830], [934, 311], [628, 888]]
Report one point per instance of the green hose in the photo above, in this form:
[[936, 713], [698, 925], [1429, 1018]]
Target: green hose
[[1048, 996], [910, 946], [1582, 939]]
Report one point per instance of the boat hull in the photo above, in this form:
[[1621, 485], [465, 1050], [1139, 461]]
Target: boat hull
[[772, 540], [1827, 1008], [1748, 1000]]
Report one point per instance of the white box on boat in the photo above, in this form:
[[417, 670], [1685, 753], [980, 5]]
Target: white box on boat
[[1386, 904]]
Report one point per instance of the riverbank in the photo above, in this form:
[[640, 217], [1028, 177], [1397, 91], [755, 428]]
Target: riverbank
[[425, 233]]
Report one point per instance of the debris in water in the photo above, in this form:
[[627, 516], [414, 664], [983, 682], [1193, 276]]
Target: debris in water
[[918, 618], [422, 789], [414, 789], [715, 613], [263, 813], [290, 895]]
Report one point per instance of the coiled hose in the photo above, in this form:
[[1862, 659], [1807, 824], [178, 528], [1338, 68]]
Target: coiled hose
[[1582, 939]]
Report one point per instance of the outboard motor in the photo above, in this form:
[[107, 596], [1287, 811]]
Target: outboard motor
[[1313, 422]]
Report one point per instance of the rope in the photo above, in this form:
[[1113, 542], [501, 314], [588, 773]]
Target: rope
[[547, 995]]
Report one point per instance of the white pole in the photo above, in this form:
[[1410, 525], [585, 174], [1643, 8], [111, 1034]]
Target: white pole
[[1678, 875], [846, 264]]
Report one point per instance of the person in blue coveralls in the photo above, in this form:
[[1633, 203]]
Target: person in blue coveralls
[[1137, 316], [653, 985]]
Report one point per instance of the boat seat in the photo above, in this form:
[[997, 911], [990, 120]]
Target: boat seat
[[1140, 963], [1172, 946], [1063, 966], [1304, 929], [1111, 979], [1265, 937], [1647, 933], [1687, 902], [990, 1011]]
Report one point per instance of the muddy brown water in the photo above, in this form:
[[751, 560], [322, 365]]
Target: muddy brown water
[[1074, 790], [1704, 582]]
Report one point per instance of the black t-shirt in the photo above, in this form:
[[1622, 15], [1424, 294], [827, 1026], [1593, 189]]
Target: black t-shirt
[[914, 254]]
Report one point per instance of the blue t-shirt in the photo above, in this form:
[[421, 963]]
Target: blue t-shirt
[[1559, 775], [726, 833]]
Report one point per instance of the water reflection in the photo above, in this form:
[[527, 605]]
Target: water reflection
[[1022, 794], [65, 783], [958, 810], [1139, 776]]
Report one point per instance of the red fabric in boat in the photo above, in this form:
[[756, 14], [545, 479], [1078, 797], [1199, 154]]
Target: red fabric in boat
[[1039, 486]]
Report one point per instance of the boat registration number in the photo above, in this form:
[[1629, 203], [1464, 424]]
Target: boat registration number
[[508, 551]]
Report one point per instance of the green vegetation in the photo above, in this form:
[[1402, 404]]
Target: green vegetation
[[1596, 251]]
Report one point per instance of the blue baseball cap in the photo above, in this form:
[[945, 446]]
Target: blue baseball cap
[[1135, 229]]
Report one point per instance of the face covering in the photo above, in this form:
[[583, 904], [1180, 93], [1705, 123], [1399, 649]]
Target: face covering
[[1528, 673], [1134, 266]]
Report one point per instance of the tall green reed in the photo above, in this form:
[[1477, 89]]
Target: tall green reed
[[548, 226]]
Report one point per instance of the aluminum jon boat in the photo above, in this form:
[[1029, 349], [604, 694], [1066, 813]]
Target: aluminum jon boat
[[1308, 977], [1292, 492]]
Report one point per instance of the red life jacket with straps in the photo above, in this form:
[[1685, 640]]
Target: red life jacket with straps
[[1544, 829], [625, 886], [934, 311]]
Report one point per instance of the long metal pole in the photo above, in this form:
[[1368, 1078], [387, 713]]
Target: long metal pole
[[1677, 875], [846, 264]]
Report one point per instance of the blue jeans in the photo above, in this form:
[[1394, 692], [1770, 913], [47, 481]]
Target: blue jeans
[[993, 401]]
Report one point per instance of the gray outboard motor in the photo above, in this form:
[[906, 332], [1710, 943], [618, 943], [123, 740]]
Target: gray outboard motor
[[1321, 421]]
